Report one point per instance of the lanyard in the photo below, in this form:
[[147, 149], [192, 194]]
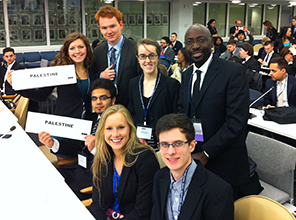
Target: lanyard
[[141, 95], [182, 193]]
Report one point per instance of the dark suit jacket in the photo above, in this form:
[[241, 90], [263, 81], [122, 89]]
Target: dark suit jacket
[[292, 67], [279, 45], [208, 196], [127, 69], [273, 56], [252, 64], [8, 87], [272, 34], [169, 53], [232, 30], [134, 192], [178, 45], [163, 102], [292, 30], [271, 97], [222, 106]]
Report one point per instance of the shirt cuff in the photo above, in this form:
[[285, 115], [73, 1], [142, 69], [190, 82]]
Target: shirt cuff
[[206, 154], [55, 147], [93, 152]]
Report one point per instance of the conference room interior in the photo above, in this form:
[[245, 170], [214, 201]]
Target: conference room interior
[[41, 26]]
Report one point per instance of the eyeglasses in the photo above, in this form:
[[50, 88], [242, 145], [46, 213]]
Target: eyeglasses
[[201, 40], [166, 146], [150, 56], [102, 98]]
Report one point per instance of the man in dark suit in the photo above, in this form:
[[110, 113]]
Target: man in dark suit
[[284, 92], [77, 175], [167, 52], [246, 53], [11, 64], [185, 182], [116, 60], [267, 56], [215, 94], [237, 26], [175, 44], [293, 27]]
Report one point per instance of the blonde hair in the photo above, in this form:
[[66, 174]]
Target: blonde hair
[[103, 157]]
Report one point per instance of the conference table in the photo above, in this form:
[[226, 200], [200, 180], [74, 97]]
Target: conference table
[[286, 130], [30, 186]]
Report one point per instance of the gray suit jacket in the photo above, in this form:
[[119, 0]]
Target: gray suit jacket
[[227, 54], [170, 53]]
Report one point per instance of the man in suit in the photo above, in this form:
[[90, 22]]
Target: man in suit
[[293, 27], [237, 26], [246, 53], [268, 55], [185, 182], [232, 50], [116, 60], [175, 44], [215, 94], [167, 52], [77, 175], [284, 92], [11, 64]]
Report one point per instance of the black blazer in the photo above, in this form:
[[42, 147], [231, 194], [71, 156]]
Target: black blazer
[[163, 102], [222, 106], [273, 56], [292, 67], [134, 192], [272, 34], [279, 45], [252, 64], [271, 97], [208, 196], [127, 69], [178, 45], [292, 30]]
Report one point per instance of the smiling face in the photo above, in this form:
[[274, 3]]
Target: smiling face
[[176, 159], [77, 51], [198, 52], [116, 132], [111, 29], [100, 105], [148, 65]]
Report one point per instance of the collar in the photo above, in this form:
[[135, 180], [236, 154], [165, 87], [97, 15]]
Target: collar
[[249, 57], [10, 65], [117, 46], [189, 175], [284, 80], [205, 66]]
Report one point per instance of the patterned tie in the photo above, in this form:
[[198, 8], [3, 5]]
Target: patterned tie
[[94, 129], [113, 58], [281, 96], [196, 85]]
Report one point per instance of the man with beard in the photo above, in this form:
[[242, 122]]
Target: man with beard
[[215, 95]]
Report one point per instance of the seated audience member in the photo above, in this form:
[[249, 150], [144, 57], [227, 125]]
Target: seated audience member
[[289, 54], [268, 55], [9, 56], [185, 189], [167, 52], [284, 92], [284, 39], [219, 46], [123, 169], [261, 52], [152, 94], [246, 53], [241, 36], [183, 63], [237, 26], [76, 176], [175, 44], [271, 32], [212, 28], [231, 51]]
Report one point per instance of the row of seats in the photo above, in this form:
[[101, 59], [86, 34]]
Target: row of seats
[[33, 59]]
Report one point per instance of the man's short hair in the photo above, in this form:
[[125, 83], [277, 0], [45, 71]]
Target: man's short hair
[[248, 48], [167, 39], [108, 11], [264, 39], [8, 49], [280, 61], [231, 42], [236, 59], [294, 17], [174, 120], [269, 43], [103, 84], [175, 34]]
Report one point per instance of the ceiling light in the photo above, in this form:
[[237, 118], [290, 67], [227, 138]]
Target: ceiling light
[[236, 1]]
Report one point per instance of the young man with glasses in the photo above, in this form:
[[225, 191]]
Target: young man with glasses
[[185, 189], [103, 94]]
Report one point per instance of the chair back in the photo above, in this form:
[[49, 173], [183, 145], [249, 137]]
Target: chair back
[[257, 47], [260, 208], [32, 59], [275, 164], [21, 111]]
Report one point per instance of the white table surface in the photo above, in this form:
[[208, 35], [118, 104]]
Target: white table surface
[[30, 186]]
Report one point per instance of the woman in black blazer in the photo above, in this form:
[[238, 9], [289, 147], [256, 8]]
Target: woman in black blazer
[[271, 31], [73, 99], [284, 39], [152, 94], [123, 169], [212, 28]]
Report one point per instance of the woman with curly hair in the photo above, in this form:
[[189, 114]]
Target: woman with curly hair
[[123, 169]]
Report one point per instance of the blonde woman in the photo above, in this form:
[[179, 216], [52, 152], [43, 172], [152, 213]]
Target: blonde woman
[[123, 169]]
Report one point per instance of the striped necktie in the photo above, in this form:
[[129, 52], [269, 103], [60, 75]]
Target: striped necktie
[[94, 129], [113, 58]]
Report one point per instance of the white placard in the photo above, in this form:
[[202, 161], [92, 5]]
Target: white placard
[[43, 77], [59, 126]]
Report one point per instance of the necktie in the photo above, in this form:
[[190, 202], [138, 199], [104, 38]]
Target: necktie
[[162, 52], [196, 85], [281, 95], [266, 58], [113, 58], [94, 129]]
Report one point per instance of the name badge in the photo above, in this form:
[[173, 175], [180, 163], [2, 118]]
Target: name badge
[[198, 130], [82, 160], [144, 132]]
